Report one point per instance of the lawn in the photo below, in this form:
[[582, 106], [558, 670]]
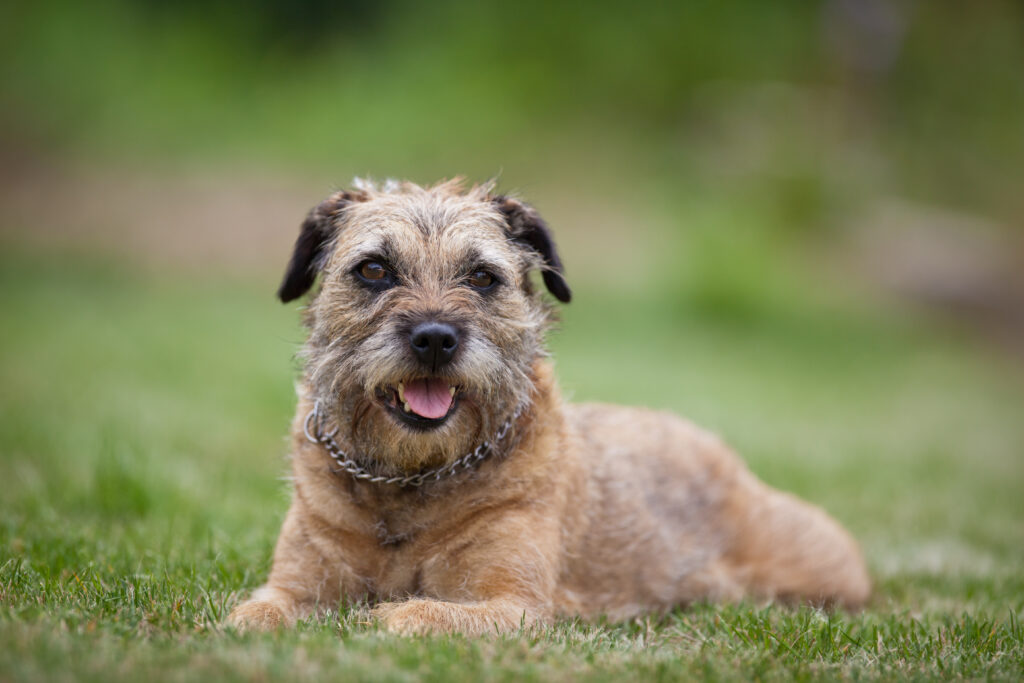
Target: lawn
[[142, 452]]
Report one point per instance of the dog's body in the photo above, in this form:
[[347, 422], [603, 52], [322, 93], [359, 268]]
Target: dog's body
[[426, 340]]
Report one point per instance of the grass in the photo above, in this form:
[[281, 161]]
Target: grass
[[142, 424]]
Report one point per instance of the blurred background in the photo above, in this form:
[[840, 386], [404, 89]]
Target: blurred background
[[711, 141], [798, 223]]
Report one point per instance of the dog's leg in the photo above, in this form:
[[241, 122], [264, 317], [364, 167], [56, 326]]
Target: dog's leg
[[793, 551], [301, 580]]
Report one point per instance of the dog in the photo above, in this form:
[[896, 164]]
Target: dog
[[438, 474]]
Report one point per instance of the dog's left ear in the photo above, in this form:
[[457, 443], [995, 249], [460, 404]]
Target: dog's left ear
[[525, 225], [314, 236]]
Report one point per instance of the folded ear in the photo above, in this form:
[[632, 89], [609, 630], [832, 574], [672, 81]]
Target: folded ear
[[310, 248], [525, 225]]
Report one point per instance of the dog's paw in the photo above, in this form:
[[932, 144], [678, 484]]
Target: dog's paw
[[257, 615], [423, 616], [413, 617]]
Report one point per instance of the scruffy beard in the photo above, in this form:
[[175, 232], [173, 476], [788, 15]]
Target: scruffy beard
[[353, 384]]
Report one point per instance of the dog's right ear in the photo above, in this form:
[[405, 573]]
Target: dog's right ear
[[310, 248]]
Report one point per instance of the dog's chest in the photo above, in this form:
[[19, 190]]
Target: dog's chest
[[393, 533], [406, 541], [404, 560]]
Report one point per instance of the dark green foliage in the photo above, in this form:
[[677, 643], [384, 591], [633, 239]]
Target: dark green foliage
[[752, 94]]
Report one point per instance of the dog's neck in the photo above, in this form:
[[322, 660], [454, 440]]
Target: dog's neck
[[317, 426], [318, 430]]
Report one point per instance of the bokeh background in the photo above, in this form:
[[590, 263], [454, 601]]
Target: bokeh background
[[689, 145], [798, 223]]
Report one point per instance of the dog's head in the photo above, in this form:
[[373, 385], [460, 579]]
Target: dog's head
[[426, 325]]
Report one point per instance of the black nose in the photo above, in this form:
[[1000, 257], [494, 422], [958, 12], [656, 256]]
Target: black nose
[[434, 343]]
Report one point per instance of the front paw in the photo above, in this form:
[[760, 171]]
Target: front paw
[[257, 615], [411, 617], [420, 616]]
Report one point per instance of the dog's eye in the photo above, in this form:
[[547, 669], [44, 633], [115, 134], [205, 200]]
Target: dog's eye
[[371, 270], [482, 280], [375, 275]]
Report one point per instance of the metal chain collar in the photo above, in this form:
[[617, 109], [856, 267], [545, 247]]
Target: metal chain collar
[[346, 463]]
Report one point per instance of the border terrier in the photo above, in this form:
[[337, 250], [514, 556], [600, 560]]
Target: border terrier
[[438, 474]]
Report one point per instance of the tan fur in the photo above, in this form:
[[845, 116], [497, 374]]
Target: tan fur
[[588, 510]]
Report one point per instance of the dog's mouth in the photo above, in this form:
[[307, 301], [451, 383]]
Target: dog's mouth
[[422, 403]]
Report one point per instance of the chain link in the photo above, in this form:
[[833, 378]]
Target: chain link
[[346, 464]]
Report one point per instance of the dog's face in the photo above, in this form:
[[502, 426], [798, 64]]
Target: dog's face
[[426, 326]]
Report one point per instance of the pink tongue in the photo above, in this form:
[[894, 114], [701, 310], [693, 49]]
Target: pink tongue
[[428, 398]]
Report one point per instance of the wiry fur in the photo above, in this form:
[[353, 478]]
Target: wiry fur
[[588, 510], [358, 340]]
